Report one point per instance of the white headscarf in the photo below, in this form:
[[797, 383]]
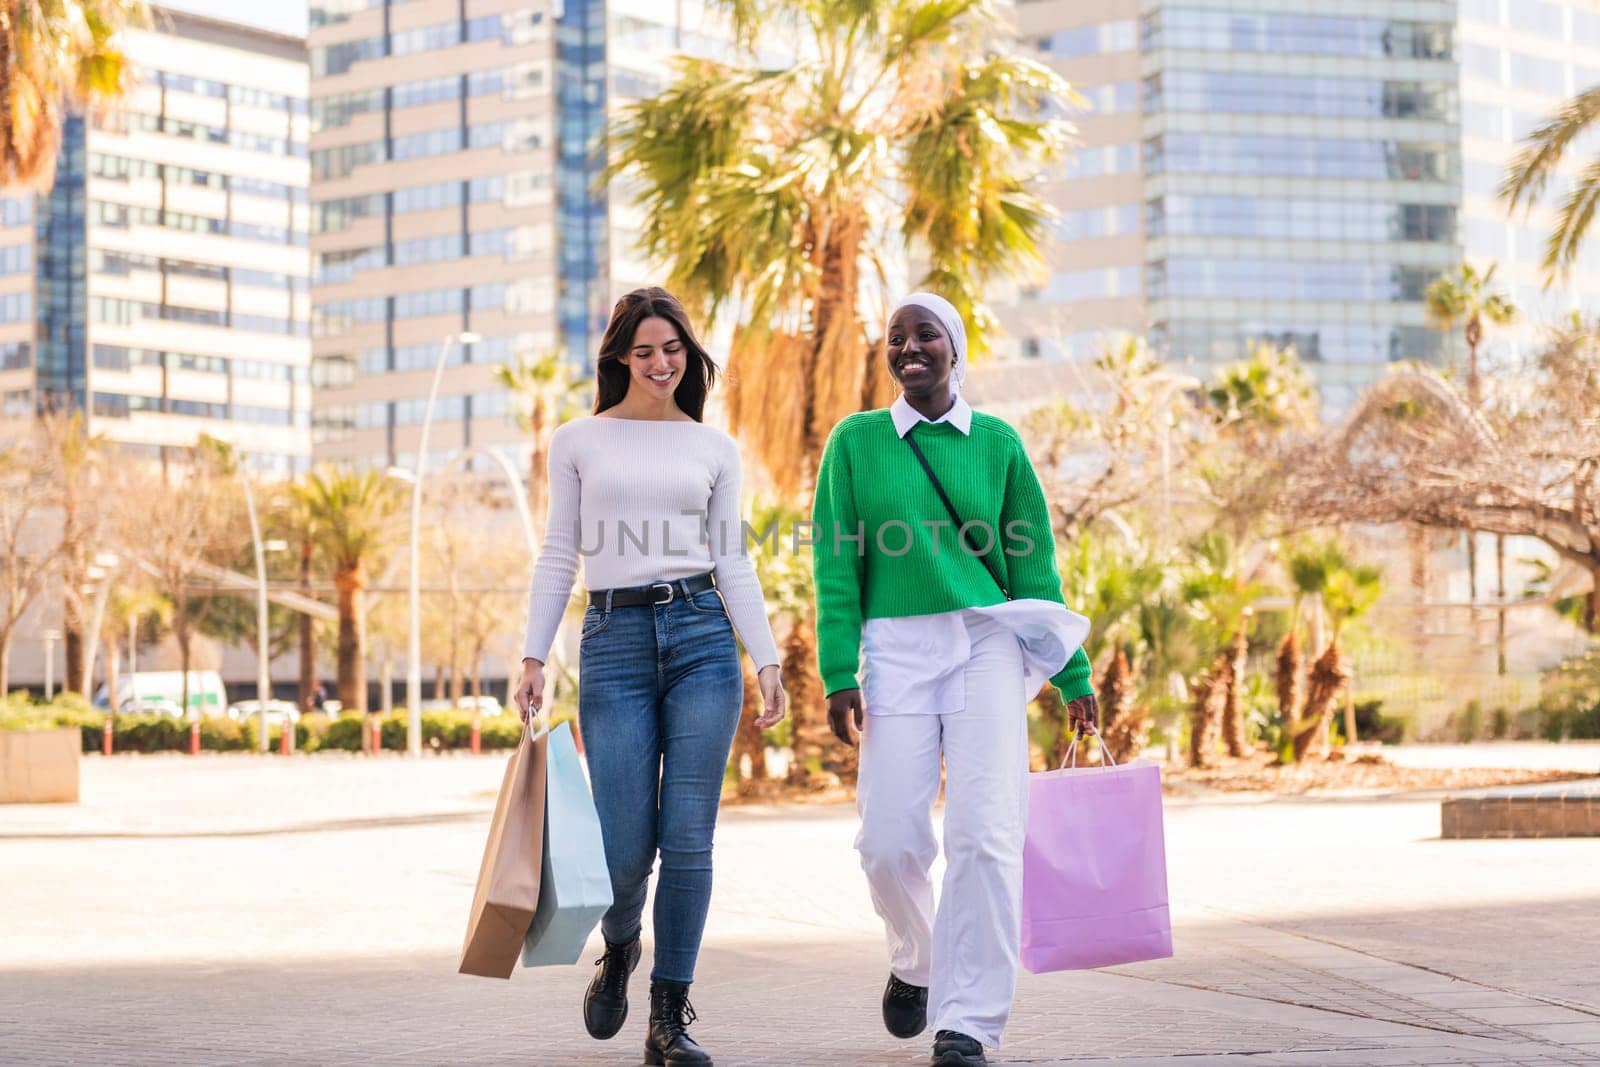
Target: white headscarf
[[954, 328]]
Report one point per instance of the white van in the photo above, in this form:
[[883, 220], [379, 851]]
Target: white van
[[163, 690]]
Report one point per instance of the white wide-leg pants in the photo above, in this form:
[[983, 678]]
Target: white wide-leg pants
[[966, 950]]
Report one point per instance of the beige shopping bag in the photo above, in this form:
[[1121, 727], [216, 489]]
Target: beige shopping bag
[[508, 880]]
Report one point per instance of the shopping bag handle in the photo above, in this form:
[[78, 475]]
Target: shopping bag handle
[[528, 733], [1072, 749]]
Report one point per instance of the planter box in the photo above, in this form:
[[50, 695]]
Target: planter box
[[39, 766]]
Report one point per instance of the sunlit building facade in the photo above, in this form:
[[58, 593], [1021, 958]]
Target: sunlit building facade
[[458, 155], [161, 287], [1291, 172]]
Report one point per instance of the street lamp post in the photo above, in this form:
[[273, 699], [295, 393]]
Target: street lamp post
[[414, 598], [99, 573], [263, 665], [50, 639]]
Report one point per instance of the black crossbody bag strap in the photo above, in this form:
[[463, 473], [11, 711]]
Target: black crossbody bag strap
[[955, 517]]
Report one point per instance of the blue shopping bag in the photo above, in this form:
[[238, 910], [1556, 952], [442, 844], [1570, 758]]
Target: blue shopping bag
[[574, 885]]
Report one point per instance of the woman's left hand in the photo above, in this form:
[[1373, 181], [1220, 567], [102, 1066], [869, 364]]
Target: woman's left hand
[[773, 696], [1083, 714]]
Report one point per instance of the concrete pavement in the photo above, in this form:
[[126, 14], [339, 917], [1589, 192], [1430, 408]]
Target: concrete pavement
[[170, 922]]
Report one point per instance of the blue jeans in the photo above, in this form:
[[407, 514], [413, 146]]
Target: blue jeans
[[659, 696]]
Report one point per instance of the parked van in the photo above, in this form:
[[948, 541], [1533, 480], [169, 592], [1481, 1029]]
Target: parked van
[[163, 691]]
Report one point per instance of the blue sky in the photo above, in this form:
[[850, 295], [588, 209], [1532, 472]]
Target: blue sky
[[285, 16]]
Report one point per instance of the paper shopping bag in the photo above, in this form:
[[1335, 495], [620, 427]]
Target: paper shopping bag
[[508, 880], [575, 884], [1094, 869]]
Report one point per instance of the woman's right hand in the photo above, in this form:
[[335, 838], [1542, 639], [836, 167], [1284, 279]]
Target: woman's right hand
[[530, 689], [847, 714]]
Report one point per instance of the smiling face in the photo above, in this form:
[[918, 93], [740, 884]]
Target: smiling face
[[919, 351], [656, 359]]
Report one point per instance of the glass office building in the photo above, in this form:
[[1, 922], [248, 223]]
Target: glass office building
[[458, 148], [160, 287], [1295, 173]]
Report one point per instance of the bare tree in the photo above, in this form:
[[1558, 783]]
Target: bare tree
[[1414, 450], [76, 465], [28, 555], [1118, 451], [195, 521]]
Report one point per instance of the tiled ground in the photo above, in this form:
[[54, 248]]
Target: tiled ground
[[1308, 933]]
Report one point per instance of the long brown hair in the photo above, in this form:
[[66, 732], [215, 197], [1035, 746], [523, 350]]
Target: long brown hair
[[611, 374]]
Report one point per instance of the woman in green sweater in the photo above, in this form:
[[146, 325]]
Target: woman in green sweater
[[935, 558]]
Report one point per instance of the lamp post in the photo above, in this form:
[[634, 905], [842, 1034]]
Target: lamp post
[[414, 598], [50, 639], [263, 630], [99, 574]]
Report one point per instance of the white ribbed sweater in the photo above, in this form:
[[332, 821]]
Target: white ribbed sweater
[[644, 501]]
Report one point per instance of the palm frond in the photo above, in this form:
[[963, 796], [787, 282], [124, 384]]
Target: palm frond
[[1573, 221], [1530, 169]]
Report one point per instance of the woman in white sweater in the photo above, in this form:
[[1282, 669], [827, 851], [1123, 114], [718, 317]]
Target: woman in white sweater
[[648, 496]]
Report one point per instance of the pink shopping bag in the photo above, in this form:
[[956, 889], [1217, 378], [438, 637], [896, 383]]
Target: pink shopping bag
[[1094, 868]]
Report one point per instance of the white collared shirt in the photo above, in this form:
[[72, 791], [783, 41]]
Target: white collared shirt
[[916, 664]]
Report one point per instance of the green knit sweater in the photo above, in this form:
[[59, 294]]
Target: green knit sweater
[[908, 560]]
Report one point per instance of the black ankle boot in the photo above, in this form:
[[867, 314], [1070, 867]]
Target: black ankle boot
[[605, 1005], [953, 1049], [905, 1008], [668, 1042]]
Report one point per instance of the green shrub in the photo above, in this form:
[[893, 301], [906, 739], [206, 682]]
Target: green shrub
[[149, 733], [225, 735], [499, 732], [314, 732], [311, 732], [1500, 724], [343, 734], [1552, 724], [1469, 724]]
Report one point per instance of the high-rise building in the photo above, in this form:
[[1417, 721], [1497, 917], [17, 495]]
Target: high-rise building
[[1292, 172], [161, 287], [458, 151]]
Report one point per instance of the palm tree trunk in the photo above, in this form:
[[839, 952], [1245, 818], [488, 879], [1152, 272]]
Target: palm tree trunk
[[1328, 678], [352, 663], [808, 705], [1054, 713], [1474, 337], [747, 740], [308, 649], [1125, 727], [73, 649], [1205, 714], [1233, 708], [1290, 663]]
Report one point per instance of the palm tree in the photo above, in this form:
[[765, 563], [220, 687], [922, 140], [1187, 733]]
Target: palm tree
[[547, 393], [55, 54], [1218, 585], [1348, 591], [353, 517], [785, 195], [1531, 169], [1465, 297], [1267, 392]]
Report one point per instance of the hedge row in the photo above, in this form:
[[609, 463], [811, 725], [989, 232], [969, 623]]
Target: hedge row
[[314, 732]]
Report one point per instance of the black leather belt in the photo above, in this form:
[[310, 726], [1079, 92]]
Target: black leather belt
[[655, 593]]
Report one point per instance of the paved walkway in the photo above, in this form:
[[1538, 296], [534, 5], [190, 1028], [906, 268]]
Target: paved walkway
[[1308, 932]]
